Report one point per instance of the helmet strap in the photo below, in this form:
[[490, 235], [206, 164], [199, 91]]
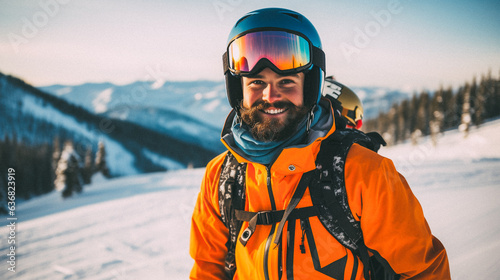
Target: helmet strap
[[239, 120], [310, 118]]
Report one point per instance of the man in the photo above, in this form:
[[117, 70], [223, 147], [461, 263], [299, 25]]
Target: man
[[274, 69]]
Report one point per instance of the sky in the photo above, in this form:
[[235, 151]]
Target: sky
[[393, 43]]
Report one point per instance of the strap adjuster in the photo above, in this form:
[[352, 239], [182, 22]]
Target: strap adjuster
[[265, 218]]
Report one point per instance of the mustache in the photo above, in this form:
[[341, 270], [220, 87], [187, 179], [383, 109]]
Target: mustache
[[263, 105]]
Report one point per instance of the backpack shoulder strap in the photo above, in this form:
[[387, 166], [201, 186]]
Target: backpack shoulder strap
[[231, 198], [330, 195], [328, 192]]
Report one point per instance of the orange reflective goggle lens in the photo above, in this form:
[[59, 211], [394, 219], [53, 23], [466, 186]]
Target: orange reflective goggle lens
[[286, 51]]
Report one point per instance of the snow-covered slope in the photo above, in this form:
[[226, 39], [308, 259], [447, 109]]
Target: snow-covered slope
[[138, 227], [169, 122], [458, 185], [191, 112]]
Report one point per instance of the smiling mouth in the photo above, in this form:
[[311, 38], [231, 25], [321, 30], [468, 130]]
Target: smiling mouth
[[274, 111]]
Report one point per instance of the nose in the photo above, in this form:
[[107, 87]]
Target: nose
[[271, 94]]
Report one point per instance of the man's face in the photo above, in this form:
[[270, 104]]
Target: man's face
[[272, 104]]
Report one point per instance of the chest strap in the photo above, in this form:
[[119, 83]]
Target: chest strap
[[272, 217], [275, 216]]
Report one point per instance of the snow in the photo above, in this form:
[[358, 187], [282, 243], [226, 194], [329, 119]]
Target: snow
[[458, 185], [167, 163], [63, 91], [137, 227], [212, 106], [128, 228], [102, 100]]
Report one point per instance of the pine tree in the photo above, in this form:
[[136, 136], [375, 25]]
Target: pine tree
[[472, 100], [56, 153], [492, 96], [400, 120], [423, 115], [422, 118], [437, 115], [3, 196], [406, 119], [3, 180], [449, 108], [100, 161], [391, 123], [495, 91], [413, 107], [47, 174], [479, 103], [88, 166], [466, 112], [382, 126], [68, 173]]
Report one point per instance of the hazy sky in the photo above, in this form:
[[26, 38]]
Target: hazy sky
[[404, 43]]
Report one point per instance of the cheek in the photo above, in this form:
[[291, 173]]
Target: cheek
[[249, 98], [246, 101], [297, 97]]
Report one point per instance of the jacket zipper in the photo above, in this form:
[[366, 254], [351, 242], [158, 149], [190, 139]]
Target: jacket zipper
[[271, 234]]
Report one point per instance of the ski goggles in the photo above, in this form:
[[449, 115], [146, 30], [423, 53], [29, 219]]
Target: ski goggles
[[282, 51]]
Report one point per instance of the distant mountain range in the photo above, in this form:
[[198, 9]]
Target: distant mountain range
[[134, 144], [198, 100]]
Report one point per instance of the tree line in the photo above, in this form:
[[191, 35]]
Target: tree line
[[40, 169], [432, 113]]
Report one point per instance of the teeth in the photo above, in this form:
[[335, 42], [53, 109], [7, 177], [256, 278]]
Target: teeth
[[274, 111]]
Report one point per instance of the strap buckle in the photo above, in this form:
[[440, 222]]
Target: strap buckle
[[265, 218]]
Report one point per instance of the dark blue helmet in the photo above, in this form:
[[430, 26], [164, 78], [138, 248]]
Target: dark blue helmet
[[266, 27]]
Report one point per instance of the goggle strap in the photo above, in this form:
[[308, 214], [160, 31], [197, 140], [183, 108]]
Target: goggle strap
[[319, 58], [225, 62]]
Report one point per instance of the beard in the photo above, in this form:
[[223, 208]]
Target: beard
[[272, 129]]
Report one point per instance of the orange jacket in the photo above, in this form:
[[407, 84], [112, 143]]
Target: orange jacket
[[392, 222]]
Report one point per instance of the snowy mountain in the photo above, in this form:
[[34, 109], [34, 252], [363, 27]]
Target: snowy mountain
[[33, 117], [201, 100], [137, 227]]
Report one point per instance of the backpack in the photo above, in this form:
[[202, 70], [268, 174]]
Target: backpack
[[329, 197]]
